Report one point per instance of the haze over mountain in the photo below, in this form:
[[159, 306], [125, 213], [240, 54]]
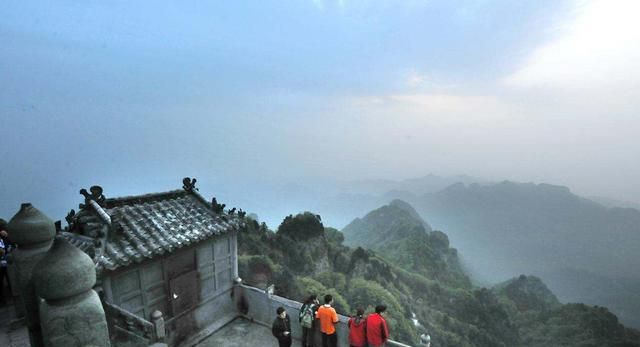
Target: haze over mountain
[[523, 306], [585, 252]]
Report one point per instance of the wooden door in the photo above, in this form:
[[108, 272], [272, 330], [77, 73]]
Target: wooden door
[[183, 292]]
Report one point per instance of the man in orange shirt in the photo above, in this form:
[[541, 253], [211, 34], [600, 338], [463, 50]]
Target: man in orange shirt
[[328, 319]]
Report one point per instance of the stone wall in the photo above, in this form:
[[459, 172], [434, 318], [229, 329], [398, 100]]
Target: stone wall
[[207, 317]]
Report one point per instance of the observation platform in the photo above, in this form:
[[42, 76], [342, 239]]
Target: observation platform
[[240, 333]]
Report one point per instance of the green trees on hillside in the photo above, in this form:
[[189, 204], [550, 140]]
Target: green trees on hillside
[[417, 273]]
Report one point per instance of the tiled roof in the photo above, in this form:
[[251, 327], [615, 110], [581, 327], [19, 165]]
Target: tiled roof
[[136, 228]]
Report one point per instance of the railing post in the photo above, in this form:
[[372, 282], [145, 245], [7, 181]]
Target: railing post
[[158, 325]]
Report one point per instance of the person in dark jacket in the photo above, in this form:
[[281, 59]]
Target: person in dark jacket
[[5, 247], [377, 330], [307, 318], [281, 328], [357, 329]]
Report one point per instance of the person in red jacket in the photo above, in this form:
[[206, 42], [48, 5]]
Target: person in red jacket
[[377, 330], [357, 329]]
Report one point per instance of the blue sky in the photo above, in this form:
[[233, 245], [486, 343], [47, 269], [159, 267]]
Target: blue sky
[[133, 95]]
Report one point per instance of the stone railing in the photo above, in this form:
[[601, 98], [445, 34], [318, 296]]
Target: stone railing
[[128, 329], [262, 307]]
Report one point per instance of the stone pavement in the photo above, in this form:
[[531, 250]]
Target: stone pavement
[[241, 333], [13, 333]]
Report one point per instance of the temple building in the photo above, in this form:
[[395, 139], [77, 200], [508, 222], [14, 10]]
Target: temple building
[[168, 252]]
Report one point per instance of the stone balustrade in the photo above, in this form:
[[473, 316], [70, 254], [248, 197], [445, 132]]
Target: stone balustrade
[[126, 326], [262, 307]]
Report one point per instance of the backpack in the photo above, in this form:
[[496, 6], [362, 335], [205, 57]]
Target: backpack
[[306, 316]]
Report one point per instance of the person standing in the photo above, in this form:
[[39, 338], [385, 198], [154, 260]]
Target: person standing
[[357, 329], [328, 319], [281, 328], [5, 248], [377, 330], [306, 319]]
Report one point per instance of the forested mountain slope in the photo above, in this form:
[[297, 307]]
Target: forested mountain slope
[[584, 251], [305, 257]]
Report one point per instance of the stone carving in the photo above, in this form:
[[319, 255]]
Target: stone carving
[[95, 195], [216, 207], [71, 314], [69, 218], [232, 211], [158, 325], [189, 184], [241, 213], [33, 232]]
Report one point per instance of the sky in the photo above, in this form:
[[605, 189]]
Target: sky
[[133, 96]]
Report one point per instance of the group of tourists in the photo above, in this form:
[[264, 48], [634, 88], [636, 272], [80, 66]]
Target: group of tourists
[[371, 331]]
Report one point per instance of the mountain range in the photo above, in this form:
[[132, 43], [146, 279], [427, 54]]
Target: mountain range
[[585, 251], [392, 256]]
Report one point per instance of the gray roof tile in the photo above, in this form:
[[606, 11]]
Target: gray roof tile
[[146, 226]]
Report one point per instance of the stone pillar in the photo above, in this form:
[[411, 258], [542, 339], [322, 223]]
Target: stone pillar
[[71, 314], [33, 232], [15, 290], [234, 243]]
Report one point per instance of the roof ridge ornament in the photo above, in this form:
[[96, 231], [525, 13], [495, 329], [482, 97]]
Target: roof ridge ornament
[[216, 207], [189, 184], [95, 200], [96, 195]]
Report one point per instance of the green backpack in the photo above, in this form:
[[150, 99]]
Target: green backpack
[[306, 316]]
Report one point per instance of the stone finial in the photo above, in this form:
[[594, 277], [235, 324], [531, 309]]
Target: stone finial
[[65, 271], [158, 324], [69, 217], [94, 194], [33, 232], [189, 184], [30, 226], [216, 207], [71, 314]]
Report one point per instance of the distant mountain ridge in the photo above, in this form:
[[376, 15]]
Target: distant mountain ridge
[[527, 293], [524, 306], [400, 235], [510, 227], [576, 245], [611, 203]]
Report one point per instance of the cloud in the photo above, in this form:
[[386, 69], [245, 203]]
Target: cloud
[[440, 109], [319, 4], [416, 79], [598, 49]]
